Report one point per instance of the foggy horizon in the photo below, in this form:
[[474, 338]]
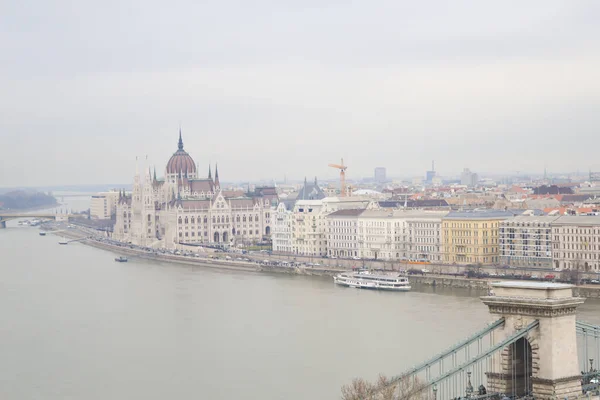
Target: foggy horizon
[[274, 88]]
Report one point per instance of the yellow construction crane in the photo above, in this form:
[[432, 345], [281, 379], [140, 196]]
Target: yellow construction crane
[[342, 168]]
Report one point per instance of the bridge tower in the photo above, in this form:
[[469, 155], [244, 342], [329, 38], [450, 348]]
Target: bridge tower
[[545, 361]]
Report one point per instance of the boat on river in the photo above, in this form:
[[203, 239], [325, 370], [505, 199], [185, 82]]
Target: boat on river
[[42, 233], [367, 280], [121, 259]]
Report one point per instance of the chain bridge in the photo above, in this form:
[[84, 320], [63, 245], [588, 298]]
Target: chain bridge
[[534, 348]]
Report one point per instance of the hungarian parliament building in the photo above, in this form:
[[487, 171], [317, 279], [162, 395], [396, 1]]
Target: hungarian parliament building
[[184, 208]]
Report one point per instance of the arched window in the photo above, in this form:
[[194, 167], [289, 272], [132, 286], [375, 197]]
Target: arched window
[[218, 220], [227, 219], [149, 218], [256, 218], [186, 220], [193, 220], [205, 220], [213, 219], [244, 218], [179, 220], [237, 218]]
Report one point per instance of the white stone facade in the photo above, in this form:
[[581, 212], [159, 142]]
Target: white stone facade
[[375, 234], [282, 230], [342, 233], [184, 210], [418, 235]]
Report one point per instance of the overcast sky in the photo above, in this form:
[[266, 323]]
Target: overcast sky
[[269, 88]]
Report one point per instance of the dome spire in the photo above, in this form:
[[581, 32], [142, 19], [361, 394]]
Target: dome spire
[[209, 172], [180, 144]]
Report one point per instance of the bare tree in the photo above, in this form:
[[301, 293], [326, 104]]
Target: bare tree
[[407, 388]]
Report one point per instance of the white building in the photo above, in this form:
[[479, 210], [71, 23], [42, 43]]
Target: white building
[[375, 234], [282, 230], [183, 209], [306, 219], [104, 205], [576, 243], [342, 233], [418, 235], [526, 241]]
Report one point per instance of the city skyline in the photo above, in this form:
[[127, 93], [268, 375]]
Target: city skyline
[[274, 88]]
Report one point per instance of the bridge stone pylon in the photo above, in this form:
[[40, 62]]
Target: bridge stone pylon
[[545, 362]]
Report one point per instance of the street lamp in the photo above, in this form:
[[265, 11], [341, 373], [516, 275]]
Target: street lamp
[[435, 391]]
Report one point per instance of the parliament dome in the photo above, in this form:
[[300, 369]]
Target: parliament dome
[[181, 161]]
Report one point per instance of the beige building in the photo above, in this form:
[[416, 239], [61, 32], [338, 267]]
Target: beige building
[[308, 228], [104, 205], [526, 241], [471, 237], [576, 243]]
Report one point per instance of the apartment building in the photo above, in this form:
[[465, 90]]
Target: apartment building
[[342, 233], [526, 241], [576, 242], [471, 237]]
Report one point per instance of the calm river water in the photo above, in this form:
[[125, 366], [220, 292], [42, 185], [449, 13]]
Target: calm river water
[[77, 325]]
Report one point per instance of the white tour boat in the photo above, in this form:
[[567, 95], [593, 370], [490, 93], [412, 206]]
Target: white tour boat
[[368, 280]]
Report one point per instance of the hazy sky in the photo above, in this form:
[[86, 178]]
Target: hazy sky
[[273, 87]]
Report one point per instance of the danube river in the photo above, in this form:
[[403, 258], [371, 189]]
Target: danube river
[[77, 325]]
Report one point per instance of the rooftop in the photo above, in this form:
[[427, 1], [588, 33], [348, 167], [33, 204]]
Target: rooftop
[[531, 285], [480, 214], [589, 220]]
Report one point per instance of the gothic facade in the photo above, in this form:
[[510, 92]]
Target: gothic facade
[[184, 209]]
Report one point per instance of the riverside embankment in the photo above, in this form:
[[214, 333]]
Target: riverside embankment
[[434, 278], [217, 263]]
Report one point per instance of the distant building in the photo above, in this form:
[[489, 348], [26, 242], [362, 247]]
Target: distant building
[[526, 241], [468, 178], [380, 174], [104, 205], [429, 175]]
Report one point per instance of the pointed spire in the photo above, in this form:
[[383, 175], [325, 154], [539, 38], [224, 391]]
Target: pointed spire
[[304, 190], [217, 183], [209, 172], [155, 173], [180, 144], [316, 181]]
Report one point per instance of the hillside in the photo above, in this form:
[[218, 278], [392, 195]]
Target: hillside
[[20, 200]]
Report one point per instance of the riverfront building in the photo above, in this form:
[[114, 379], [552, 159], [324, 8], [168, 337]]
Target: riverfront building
[[576, 243], [184, 209], [282, 230], [342, 233], [471, 237], [526, 241], [418, 235]]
